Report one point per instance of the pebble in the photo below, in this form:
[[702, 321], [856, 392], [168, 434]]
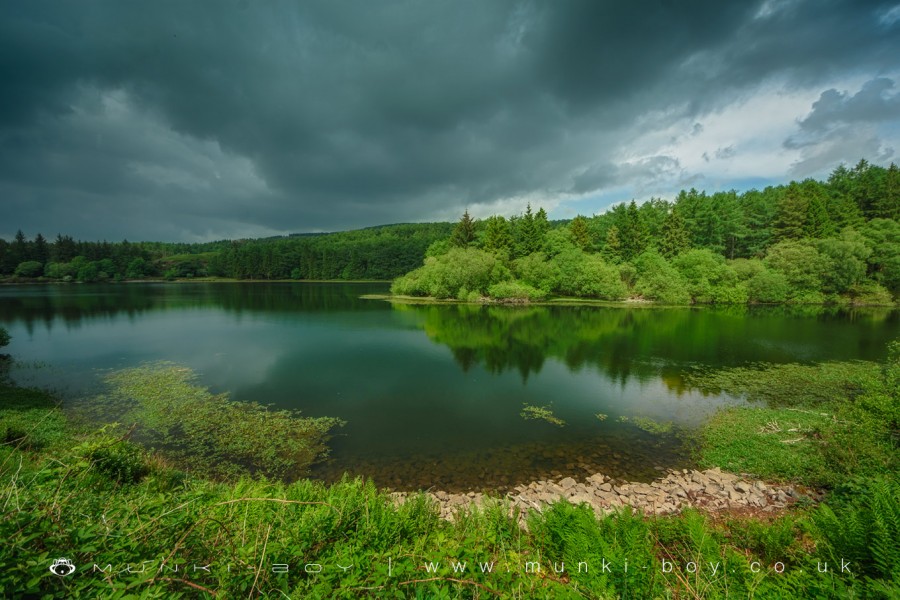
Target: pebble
[[712, 489]]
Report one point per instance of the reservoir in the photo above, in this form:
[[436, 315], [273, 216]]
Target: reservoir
[[434, 395]]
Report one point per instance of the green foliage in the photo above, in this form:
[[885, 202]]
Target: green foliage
[[586, 276], [747, 268], [883, 237], [29, 268], [768, 287], [821, 423], [869, 293], [708, 278], [515, 290], [117, 459], [846, 261], [137, 269], [581, 234], [218, 437], [72, 495], [861, 524], [536, 271], [543, 413], [675, 238], [800, 263], [612, 248], [464, 232], [649, 425], [443, 276], [633, 233], [658, 280], [497, 236], [4, 337]]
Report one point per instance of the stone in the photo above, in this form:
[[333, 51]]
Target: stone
[[567, 483]]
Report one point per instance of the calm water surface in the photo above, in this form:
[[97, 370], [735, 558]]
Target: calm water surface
[[432, 394]]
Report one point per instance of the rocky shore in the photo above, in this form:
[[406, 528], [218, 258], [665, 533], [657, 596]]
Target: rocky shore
[[710, 490]]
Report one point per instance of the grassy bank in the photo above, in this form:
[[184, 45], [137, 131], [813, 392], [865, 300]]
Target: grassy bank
[[94, 497]]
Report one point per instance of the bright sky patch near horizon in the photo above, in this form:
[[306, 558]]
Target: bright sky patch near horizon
[[190, 121]]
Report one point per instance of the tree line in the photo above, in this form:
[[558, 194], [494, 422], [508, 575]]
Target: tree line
[[804, 242], [374, 253], [807, 241]]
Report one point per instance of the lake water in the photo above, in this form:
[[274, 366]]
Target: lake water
[[433, 395]]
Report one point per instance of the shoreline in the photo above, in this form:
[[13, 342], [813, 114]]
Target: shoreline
[[628, 303], [711, 490], [194, 280]]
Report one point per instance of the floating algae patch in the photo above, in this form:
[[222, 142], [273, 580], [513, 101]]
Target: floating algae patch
[[541, 412], [786, 384], [205, 432]]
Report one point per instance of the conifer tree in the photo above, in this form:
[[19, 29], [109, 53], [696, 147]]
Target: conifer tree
[[818, 223], [496, 234], [632, 236], [612, 249], [887, 206], [530, 237], [675, 238], [791, 216], [580, 233], [464, 233], [40, 252]]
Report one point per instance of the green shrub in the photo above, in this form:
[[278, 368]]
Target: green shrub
[[658, 280], [801, 264], [515, 290], [746, 268], [869, 293], [768, 287], [119, 460], [537, 271], [29, 268], [4, 337], [443, 276]]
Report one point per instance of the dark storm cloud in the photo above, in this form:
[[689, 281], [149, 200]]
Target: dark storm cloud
[[875, 102], [188, 120], [841, 122]]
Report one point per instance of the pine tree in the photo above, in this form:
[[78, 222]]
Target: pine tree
[[40, 251], [464, 233], [887, 206], [18, 250], [528, 238], [581, 235], [612, 249], [791, 216], [541, 226], [675, 238], [497, 235], [634, 239], [818, 224]]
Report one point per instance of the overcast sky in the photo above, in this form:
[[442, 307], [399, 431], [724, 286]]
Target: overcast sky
[[193, 121]]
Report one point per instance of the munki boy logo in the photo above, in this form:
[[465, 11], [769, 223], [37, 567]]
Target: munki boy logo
[[62, 567]]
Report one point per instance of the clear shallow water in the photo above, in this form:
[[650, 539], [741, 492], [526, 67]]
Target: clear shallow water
[[432, 394]]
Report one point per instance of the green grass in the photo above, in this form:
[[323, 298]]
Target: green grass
[[813, 424], [95, 497], [771, 444]]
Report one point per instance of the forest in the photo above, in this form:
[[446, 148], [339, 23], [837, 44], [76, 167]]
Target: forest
[[805, 242], [810, 241], [374, 253]]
